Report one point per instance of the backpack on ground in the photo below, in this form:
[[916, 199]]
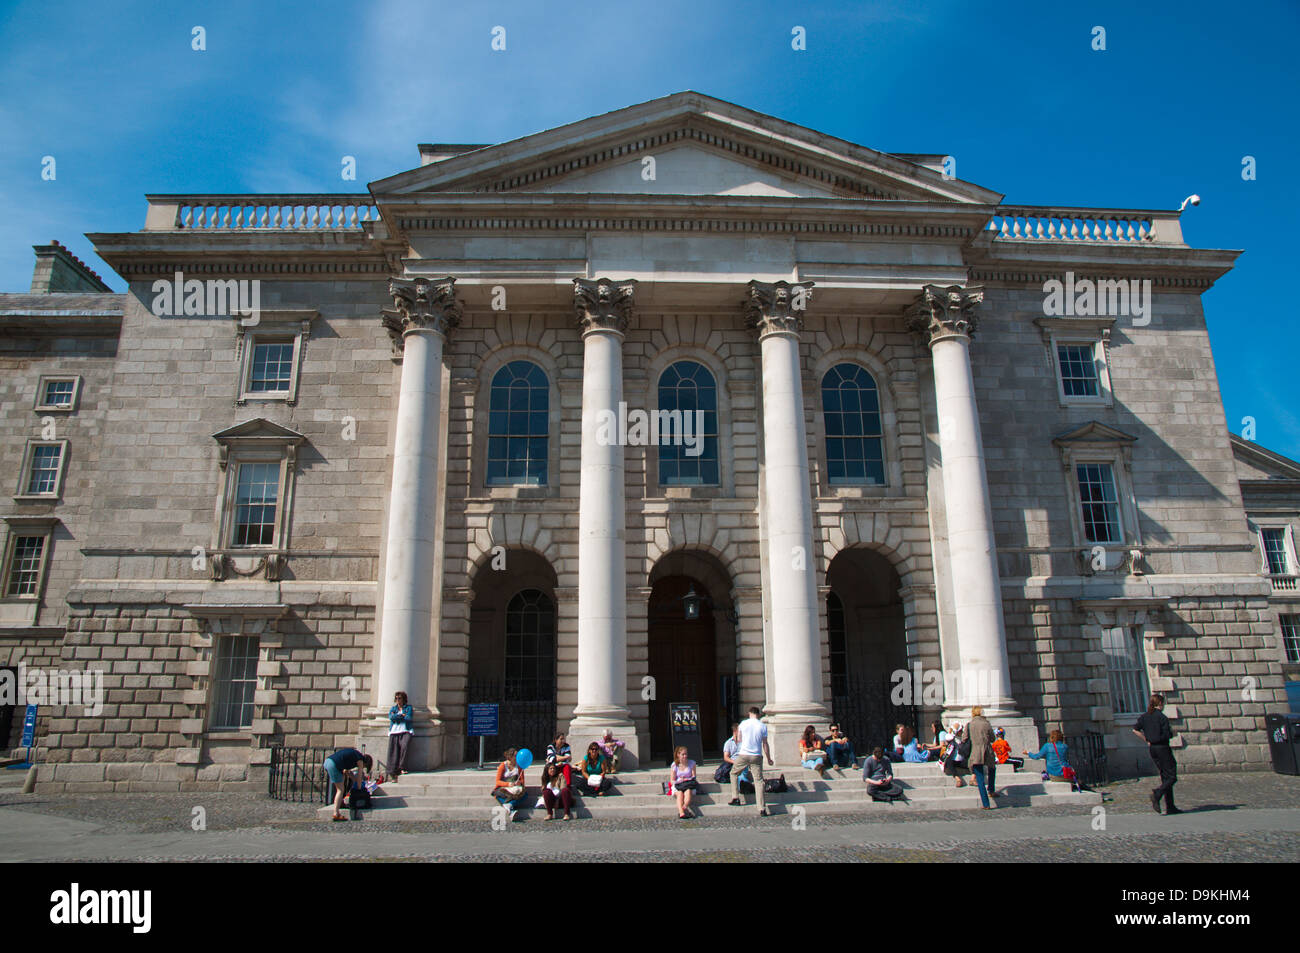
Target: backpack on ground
[[775, 785]]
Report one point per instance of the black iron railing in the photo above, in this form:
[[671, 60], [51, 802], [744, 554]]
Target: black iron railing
[[526, 718], [867, 714], [298, 774], [1086, 753]]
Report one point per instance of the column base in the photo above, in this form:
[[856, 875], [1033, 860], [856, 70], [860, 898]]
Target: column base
[[1021, 732], [785, 725], [590, 726], [426, 751]]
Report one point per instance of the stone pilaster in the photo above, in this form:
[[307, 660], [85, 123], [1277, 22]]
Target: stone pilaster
[[424, 313], [603, 309], [795, 696]]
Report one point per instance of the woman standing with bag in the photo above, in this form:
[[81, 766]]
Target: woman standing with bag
[[982, 760]]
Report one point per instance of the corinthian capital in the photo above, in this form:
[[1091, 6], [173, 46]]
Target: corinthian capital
[[938, 311], [777, 305], [421, 304], [601, 303]]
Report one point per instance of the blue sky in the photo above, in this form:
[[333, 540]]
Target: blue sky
[[1012, 89]]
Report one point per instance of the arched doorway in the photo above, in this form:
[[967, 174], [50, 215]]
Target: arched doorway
[[512, 649], [691, 659], [867, 642]]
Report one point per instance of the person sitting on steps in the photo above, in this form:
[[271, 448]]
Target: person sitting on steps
[[510, 790], [840, 750], [1055, 753], [811, 752], [556, 791], [682, 782], [591, 772], [879, 778], [954, 762]]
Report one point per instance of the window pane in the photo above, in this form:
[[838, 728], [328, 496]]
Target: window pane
[[1078, 370], [530, 655], [235, 682], [272, 370], [58, 393], [1275, 551], [854, 439], [256, 496], [44, 474], [1291, 636], [1126, 669], [687, 387], [518, 425], [25, 567], [1100, 505]]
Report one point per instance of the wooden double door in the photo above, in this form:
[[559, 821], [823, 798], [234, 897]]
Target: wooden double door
[[683, 657]]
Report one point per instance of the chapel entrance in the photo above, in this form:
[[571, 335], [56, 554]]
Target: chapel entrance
[[692, 652], [868, 646]]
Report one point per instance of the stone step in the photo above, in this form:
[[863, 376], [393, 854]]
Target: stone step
[[464, 794], [611, 809]]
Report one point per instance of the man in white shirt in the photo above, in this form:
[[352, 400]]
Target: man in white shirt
[[753, 749]]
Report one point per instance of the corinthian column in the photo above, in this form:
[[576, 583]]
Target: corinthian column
[[424, 313], [603, 309], [795, 695], [945, 319]]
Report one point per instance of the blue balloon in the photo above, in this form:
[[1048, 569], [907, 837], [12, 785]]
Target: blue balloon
[[523, 758]]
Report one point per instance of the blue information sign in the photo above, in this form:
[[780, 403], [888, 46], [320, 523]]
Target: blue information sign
[[483, 720], [29, 727]]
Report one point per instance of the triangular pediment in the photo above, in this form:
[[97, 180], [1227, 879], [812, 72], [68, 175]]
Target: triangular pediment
[[1266, 464], [698, 146], [258, 429], [1093, 432]]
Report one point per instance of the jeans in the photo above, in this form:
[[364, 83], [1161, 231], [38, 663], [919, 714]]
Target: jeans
[[813, 763], [515, 805], [841, 755], [978, 769]]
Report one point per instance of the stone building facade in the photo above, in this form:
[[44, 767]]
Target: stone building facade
[[390, 474]]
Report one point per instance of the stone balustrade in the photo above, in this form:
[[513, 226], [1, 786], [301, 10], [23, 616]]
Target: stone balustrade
[[259, 212], [1114, 226]]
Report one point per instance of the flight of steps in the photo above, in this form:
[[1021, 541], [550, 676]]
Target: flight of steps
[[464, 794]]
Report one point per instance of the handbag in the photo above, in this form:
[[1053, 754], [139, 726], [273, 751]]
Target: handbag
[[963, 750], [1067, 772], [775, 785], [722, 774], [690, 784]]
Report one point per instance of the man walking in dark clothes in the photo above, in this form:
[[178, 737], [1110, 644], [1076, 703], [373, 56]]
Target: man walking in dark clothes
[[1155, 730]]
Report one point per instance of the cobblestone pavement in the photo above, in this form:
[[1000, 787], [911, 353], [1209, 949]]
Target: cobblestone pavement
[[873, 834]]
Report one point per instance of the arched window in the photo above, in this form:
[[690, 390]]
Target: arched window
[[518, 425], [685, 388], [530, 645], [854, 441], [838, 645]]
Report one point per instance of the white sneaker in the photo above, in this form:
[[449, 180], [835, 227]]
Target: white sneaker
[[541, 802], [513, 812]]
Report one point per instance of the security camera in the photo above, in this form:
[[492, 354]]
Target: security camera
[[1193, 199]]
